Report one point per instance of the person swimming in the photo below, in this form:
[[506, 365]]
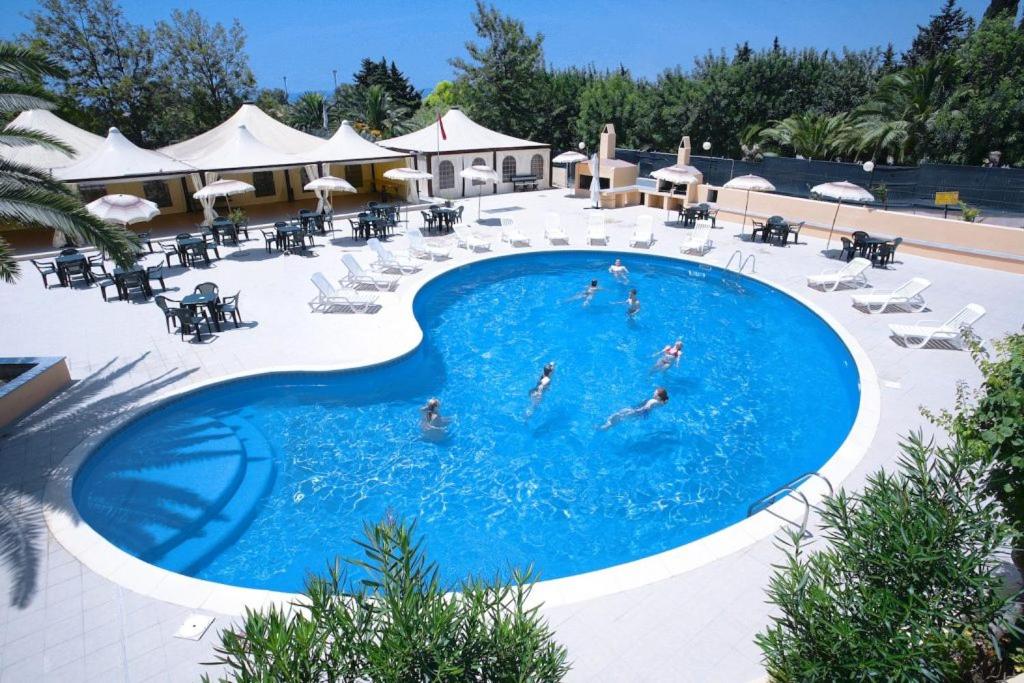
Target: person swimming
[[431, 418], [544, 382], [619, 271], [659, 398], [587, 294], [632, 304], [669, 356]]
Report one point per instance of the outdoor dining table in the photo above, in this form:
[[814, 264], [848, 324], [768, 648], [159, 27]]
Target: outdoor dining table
[[370, 223], [286, 235], [447, 215], [210, 300], [186, 245], [869, 244], [222, 229], [64, 261], [119, 280]]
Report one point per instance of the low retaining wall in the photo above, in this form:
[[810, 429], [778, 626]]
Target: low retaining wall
[[31, 387], [992, 246]]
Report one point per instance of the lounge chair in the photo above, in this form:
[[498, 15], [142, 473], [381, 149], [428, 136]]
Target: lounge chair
[[699, 239], [358, 277], [595, 229], [553, 231], [950, 332], [388, 260], [418, 247], [511, 234], [850, 275], [467, 239], [907, 295], [643, 232], [329, 299]]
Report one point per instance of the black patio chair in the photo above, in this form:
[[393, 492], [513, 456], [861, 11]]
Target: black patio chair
[[794, 230], [170, 312], [171, 249], [147, 239], [45, 269], [848, 249], [70, 251], [156, 273], [269, 238], [101, 277], [94, 259], [229, 304], [134, 283], [758, 228], [209, 245], [207, 288], [190, 321], [429, 220], [79, 270], [858, 242], [357, 227]]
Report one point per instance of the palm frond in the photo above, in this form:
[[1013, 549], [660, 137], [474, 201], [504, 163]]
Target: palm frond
[[15, 136], [25, 175], [22, 62], [11, 102]]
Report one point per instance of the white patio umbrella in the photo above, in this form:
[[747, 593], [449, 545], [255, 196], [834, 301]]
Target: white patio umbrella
[[123, 209], [324, 186], [677, 174], [568, 158], [220, 188], [750, 183], [841, 191], [407, 175], [485, 174], [595, 182]]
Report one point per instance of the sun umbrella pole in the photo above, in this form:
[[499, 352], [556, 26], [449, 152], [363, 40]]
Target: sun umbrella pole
[[746, 205], [834, 217]]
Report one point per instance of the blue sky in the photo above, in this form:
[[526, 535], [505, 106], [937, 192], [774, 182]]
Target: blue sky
[[305, 40]]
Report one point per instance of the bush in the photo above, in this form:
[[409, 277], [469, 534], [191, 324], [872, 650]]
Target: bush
[[907, 589], [396, 624]]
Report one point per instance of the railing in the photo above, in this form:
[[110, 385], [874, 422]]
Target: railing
[[790, 490], [742, 262]]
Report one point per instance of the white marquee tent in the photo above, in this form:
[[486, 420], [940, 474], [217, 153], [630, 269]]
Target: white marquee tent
[[348, 146], [119, 159], [241, 150], [81, 141], [464, 144]]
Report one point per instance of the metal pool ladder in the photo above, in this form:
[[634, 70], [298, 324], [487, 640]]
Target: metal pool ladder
[[741, 262], [789, 490]]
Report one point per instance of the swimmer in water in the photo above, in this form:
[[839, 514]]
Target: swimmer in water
[[619, 271], [669, 356], [431, 415], [537, 393], [659, 398], [632, 304], [587, 294]]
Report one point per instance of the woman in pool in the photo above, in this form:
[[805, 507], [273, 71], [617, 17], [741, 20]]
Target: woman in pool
[[659, 398], [537, 393], [619, 271], [431, 423], [669, 356], [632, 304], [587, 294]]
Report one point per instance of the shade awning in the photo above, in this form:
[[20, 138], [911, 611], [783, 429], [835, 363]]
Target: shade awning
[[82, 142], [242, 151], [261, 125], [118, 158], [346, 145], [461, 134]]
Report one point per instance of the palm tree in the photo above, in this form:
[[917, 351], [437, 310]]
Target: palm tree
[[307, 113], [901, 117], [812, 135], [29, 197], [374, 112]]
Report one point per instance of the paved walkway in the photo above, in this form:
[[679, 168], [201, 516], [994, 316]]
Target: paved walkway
[[62, 622]]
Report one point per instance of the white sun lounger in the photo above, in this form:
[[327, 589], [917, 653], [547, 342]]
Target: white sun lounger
[[699, 239], [511, 234], [643, 232], [907, 295], [553, 231], [330, 299], [358, 277], [950, 332], [595, 229], [851, 275], [467, 239], [418, 247], [388, 260]]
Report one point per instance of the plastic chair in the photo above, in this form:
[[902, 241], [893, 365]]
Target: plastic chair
[[229, 304], [45, 269]]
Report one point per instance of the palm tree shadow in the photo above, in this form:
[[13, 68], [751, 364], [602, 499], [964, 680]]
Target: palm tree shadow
[[38, 445]]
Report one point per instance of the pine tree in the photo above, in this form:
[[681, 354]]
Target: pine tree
[[998, 7], [944, 33]]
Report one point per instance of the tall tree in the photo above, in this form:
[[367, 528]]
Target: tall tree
[[309, 113], [372, 111], [110, 64], [502, 75], [391, 79], [997, 8], [29, 196], [208, 68], [941, 36]]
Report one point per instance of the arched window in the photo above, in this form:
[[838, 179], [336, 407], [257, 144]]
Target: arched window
[[508, 169], [537, 166], [479, 162], [445, 175]]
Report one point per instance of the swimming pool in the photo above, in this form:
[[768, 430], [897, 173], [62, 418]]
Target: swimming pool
[[256, 481]]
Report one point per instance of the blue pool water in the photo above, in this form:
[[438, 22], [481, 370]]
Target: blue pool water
[[254, 482]]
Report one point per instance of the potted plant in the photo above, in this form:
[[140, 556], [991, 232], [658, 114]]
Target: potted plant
[[238, 217], [969, 213]]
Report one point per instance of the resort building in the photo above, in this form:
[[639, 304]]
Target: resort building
[[455, 142]]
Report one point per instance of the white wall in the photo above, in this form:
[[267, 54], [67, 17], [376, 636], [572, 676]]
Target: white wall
[[463, 161]]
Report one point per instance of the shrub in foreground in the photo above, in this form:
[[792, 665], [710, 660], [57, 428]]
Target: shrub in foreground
[[396, 624], [906, 589]]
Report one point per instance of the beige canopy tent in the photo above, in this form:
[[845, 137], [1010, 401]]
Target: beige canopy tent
[[266, 129], [347, 146], [41, 121], [118, 159], [241, 150]]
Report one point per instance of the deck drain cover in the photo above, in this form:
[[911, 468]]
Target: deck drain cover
[[194, 627]]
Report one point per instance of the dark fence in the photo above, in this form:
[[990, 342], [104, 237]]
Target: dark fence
[[997, 191]]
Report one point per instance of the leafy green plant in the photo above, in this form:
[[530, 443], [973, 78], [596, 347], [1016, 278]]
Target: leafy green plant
[[396, 624], [881, 192], [968, 212], [238, 216], [907, 589]]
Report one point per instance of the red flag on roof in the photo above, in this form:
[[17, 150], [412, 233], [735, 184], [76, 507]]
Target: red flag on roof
[[440, 124]]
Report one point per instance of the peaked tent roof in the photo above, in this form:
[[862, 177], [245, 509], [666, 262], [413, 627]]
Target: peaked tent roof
[[241, 150], [261, 125], [82, 141], [118, 158], [348, 145], [463, 135]]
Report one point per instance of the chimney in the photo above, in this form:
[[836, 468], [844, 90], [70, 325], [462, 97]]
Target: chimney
[[683, 155], [607, 147]]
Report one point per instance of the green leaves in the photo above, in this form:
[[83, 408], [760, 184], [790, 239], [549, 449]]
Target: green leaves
[[396, 624]]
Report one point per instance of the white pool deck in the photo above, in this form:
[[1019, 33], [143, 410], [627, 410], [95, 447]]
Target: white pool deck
[[62, 621]]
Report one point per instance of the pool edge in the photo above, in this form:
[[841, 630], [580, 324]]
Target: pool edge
[[109, 561]]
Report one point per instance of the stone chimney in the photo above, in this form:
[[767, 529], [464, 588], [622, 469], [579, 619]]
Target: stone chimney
[[607, 148], [683, 155]]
